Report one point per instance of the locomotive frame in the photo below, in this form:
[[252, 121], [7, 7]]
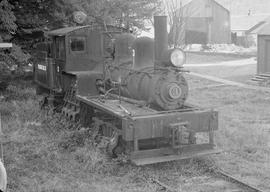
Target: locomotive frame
[[71, 70], [138, 125]]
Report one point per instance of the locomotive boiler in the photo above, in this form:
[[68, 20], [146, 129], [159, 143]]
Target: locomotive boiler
[[158, 81], [130, 91]]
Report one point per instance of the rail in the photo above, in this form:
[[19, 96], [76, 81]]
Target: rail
[[239, 182], [222, 174]]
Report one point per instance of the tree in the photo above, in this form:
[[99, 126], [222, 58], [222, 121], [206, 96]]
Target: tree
[[33, 17], [39, 14], [124, 13], [7, 20], [176, 22], [26, 20]]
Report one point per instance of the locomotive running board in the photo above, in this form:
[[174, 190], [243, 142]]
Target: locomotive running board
[[137, 160]]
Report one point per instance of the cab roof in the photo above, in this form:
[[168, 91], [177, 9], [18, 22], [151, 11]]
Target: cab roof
[[66, 30]]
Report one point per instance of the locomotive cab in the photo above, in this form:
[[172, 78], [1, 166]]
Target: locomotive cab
[[72, 54], [76, 48]]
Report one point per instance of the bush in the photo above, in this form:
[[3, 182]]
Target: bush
[[18, 55]]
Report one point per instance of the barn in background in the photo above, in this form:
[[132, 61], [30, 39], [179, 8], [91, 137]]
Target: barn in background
[[206, 21]]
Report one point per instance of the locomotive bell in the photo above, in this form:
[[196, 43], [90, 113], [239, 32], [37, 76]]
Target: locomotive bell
[[79, 17]]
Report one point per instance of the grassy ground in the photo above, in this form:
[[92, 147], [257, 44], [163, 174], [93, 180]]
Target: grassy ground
[[194, 58], [241, 74], [244, 122], [43, 152], [237, 73]]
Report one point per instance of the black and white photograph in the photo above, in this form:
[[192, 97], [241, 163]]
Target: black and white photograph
[[134, 96]]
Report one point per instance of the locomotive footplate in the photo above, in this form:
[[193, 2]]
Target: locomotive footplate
[[168, 154], [153, 136]]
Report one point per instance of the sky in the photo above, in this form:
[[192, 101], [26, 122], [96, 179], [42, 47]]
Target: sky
[[240, 7]]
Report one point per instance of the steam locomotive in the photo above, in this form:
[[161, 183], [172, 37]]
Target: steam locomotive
[[130, 91]]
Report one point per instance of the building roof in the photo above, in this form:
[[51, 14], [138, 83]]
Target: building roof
[[66, 30], [257, 28], [265, 30], [201, 8], [248, 23]]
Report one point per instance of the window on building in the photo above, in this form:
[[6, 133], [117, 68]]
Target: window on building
[[77, 44]]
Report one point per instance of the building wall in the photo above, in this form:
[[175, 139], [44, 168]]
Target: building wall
[[263, 58], [196, 30], [220, 27], [207, 16], [240, 38], [197, 8]]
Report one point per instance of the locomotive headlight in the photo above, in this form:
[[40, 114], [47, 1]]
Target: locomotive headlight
[[174, 57], [177, 57]]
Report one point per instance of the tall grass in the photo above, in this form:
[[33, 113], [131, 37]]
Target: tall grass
[[42, 146], [45, 152]]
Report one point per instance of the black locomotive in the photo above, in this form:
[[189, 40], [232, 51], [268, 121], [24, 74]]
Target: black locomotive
[[129, 90]]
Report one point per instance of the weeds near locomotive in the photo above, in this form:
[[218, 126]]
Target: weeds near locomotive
[[46, 152]]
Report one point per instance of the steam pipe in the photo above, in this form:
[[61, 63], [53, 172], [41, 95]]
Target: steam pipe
[[161, 37]]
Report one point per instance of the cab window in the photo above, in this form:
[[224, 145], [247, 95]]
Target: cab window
[[77, 44]]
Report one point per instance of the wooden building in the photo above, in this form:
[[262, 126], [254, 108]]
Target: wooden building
[[206, 21], [263, 60]]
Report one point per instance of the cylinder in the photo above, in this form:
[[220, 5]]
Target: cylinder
[[161, 37]]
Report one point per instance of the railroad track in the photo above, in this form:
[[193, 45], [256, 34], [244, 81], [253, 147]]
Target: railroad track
[[243, 186], [239, 182], [163, 186]]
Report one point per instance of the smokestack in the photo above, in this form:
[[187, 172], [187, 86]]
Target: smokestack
[[161, 37]]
